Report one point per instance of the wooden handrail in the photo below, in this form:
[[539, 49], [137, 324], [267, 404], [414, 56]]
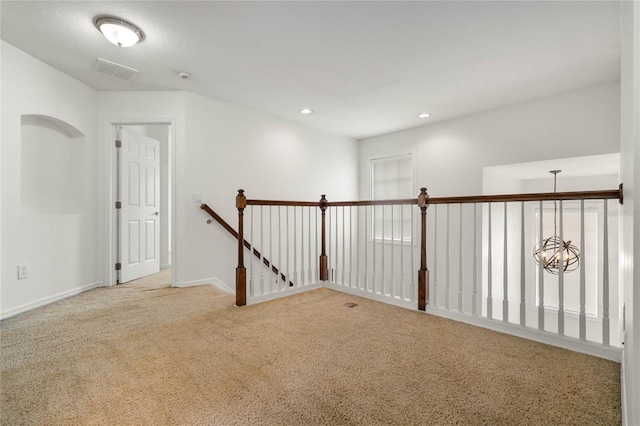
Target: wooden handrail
[[283, 203], [541, 196], [538, 196], [246, 243]]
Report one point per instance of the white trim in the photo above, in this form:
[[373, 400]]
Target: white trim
[[211, 281], [48, 300], [110, 171], [167, 266], [288, 292], [590, 348], [623, 391], [403, 303]]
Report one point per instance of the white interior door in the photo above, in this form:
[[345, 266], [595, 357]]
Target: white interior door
[[139, 189]]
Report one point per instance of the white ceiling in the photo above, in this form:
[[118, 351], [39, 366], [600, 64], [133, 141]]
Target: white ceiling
[[364, 67]]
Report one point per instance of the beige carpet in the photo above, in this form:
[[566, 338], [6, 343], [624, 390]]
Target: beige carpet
[[146, 354]]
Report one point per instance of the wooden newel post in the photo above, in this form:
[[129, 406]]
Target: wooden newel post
[[423, 273], [324, 270], [241, 271]]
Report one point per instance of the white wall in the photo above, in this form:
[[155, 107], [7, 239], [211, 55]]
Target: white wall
[[231, 147], [58, 245], [630, 155], [450, 154]]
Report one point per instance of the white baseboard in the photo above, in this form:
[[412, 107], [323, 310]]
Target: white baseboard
[[212, 281], [48, 300], [374, 296], [167, 266], [607, 352], [288, 291]]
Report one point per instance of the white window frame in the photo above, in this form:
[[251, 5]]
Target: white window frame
[[404, 239]]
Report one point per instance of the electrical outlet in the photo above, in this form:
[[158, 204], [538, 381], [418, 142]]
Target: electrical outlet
[[22, 272]]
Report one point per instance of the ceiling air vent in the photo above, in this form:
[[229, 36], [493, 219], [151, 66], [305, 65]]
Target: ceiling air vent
[[113, 69]]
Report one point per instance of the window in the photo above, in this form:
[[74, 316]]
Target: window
[[392, 178]]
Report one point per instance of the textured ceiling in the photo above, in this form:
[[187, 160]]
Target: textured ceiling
[[364, 67]]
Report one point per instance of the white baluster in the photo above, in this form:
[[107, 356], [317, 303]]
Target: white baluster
[[280, 268], [296, 279], [446, 274], [541, 276], [261, 264], [337, 240], [523, 313], [605, 278], [561, 275], [373, 250], [393, 281], [344, 237], [358, 247], [316, 244], [271, 258], [288, 240], [489, 271], [435, 255], [351, 267], [302, 270], [402, 289], [505, 272], [383, 282], [329, 245], [366, 248], [460, 262], [310, 261], [474, 306], [250, 291], [414, 290], [583, 315]]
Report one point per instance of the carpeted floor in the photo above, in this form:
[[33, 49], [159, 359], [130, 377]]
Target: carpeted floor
[[146, 354]]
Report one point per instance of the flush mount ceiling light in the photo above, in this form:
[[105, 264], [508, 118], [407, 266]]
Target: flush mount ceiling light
[[424, 115], [119, 32], [306, 111]]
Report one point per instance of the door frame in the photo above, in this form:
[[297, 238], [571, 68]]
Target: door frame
[[110, 191]]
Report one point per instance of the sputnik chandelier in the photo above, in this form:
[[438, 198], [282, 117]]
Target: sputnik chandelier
[[553, 253]]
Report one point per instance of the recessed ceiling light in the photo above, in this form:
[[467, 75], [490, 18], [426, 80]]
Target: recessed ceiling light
[[185, 76], [119, 32], [424, 115], [306, 111]]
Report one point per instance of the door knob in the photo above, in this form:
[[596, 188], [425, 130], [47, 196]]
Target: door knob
[[156, 213]]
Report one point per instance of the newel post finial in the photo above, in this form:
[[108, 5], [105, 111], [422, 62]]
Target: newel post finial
[[423, 198], [241, 200]]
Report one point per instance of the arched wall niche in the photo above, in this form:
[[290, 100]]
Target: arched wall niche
[[53, 165]]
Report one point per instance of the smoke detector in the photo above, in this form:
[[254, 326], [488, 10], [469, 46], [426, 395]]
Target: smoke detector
[[184, 76]]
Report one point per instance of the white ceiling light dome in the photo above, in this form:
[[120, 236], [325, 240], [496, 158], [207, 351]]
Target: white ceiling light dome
[[118, 31]]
